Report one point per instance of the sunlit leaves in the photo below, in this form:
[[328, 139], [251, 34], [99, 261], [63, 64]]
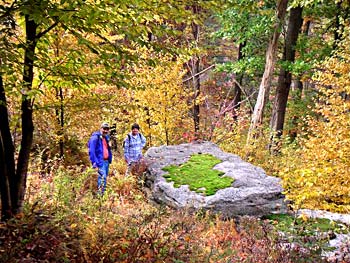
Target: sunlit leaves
[[160, 102], [321, 179], [249, 24]]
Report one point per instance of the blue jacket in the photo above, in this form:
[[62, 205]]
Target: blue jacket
[[96, 149]]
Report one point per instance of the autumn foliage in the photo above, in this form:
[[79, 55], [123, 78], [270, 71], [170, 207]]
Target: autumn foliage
[[64, 222], [318, 177], [66, 66], [159, 101]]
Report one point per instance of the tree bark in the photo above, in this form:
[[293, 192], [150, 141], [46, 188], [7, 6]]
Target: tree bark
[[299, 86], [285, 77], [264, 88], [196, 88], [7, 161], [18, 184], [149, 125], [60, 119], [237, 93], [195, 70], [60, 110], [4, 184], [337, 26]]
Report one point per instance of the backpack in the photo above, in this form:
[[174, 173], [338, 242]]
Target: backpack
[[129, 138]]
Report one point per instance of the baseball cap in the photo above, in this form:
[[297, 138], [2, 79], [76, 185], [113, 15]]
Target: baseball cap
[[105, 125]]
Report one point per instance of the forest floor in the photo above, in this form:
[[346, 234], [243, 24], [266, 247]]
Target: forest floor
[[64, 221]]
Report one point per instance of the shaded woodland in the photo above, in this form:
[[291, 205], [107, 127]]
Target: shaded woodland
[[266, 80]]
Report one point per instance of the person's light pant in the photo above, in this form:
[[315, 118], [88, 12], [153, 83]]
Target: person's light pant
[[102, 176], [129, 168]]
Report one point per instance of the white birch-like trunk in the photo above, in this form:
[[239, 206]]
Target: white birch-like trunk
[[264, 88]]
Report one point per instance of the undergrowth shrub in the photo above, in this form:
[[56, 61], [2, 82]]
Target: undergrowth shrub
[[256, 153], [38, 237], [312, 164], [320, 178], [63, 223]]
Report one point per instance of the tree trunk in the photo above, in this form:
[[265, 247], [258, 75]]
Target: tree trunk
[[62, 123], [19, 181], [59, 109], [4, 184], [7, 161], [60, 119], [337, 27], [149, 125], [195, 68], [196, 89], [285, 77], [264, 89], [166, 130], [237, 93], [299, 86]]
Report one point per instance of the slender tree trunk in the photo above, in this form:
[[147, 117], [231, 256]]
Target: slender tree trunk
[[299, 86], [237, 93], [196, 86], [166, 130], [195, 70], [4, 184], [62, 123], [264, 89], [18, 184], [338, 28], [60, 119], [285, 77], [60, 109], [197, 90], [149, 125], [7, 161]]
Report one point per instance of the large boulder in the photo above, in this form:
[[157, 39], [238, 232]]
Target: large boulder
[[252, 192]]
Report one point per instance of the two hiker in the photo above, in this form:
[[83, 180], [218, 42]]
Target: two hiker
[[101, 155]]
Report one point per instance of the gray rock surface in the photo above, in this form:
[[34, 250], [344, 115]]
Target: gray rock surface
[[341, 242], [252, 192], [344, 218]]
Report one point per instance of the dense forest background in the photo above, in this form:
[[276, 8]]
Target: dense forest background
[[267, 80]]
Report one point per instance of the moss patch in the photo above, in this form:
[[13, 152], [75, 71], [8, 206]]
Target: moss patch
[[288, 223], [198, 174], [308, 231]]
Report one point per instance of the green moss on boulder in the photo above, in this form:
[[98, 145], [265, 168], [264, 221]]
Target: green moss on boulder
[[198, 174]]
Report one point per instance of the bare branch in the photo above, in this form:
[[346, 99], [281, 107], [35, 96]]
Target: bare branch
[[47, 30], [199, 73]]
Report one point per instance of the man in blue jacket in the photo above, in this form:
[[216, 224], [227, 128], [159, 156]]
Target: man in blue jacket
[[100, 155]]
